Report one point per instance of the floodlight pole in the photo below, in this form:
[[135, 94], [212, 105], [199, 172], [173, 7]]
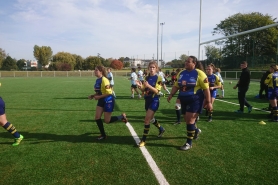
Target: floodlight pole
[[157, 29], [200, 29], [161, 39]]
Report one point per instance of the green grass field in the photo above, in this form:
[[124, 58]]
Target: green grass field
[[57, 121]]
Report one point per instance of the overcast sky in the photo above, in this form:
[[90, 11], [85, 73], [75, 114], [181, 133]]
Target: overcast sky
[[116, 28]]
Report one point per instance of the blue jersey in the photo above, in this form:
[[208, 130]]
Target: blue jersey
[[191, 82], [102, 86], [154, 81], [213, 81]]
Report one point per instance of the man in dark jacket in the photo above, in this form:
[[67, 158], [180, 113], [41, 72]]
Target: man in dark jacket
[[243, 85]]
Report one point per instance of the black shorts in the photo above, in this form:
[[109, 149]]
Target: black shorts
[[134, 86]]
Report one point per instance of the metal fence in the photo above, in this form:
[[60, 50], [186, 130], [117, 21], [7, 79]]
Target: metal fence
[[225, 74]]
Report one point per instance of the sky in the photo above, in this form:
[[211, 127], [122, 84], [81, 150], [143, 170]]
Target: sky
[[117, 28]]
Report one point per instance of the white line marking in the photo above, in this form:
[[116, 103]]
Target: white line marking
[[238, 104], [158, 174]]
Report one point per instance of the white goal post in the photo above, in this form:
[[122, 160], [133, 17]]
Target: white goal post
[[237, 34]]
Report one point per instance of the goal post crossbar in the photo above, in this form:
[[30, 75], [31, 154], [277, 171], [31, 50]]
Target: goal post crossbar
[[241, 33]]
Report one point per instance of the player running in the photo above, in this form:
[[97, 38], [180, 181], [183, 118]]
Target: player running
[[151, 88]]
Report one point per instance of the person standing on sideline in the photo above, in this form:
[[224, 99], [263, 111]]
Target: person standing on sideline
[[160, 73], [140, 74], [217, 73], [151, 87], [133, 79], [243, 85], [193, 87], [214, 84], [111, 80], [106, 102], [271, 82], [8, 126]]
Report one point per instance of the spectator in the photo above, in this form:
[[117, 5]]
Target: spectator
[[243, 86]]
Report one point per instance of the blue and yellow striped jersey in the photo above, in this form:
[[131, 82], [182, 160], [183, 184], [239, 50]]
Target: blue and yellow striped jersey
[[272, 80], [191, 82], [154, 81], [102, 86], [213, 80]]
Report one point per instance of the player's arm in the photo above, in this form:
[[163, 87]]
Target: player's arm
[[174, 90]]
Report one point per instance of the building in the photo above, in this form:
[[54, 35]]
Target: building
[[142, 62]]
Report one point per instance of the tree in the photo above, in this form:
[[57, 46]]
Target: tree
[[9, 64], [79, 62], [117, 64], [3, 55], [59, 66], [177, 63], [126, 64], [260, 43], [91, 62], [212, 52], [20, 64], [64, 58], [183, 57], [121, 59], [42, 54]]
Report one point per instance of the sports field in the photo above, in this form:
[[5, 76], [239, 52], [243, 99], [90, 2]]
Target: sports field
[[60, 146]]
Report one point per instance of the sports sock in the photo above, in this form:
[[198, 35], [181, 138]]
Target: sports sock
[[275, 113], [100, 127], [178, 113], [10, 128], [115, 118], [223, 93], [157, 125], [190, 133], [210, 113], [146, 132], [196, 129]]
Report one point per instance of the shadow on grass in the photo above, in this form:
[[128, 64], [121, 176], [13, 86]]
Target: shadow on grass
[[39, 138], [41, 109], [226, 115], [72, 98]]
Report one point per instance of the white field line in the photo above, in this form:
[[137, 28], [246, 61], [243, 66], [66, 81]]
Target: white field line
[[158, 174], [238, 104]]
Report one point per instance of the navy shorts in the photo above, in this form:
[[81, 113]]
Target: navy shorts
[[2, 106], [193, 103], [152, 103], [272, 94], [107, 103]]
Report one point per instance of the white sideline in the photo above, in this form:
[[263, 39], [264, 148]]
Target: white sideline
[[158, 174], [238, 104]]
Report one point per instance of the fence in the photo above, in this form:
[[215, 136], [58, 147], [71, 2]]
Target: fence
[[225, 74], [55, 73]]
